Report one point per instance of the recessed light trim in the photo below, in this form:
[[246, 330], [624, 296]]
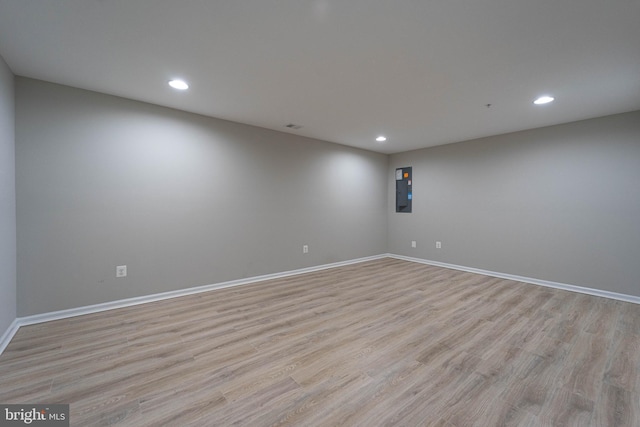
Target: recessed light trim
[[544, 99], [178, 84], [381, 138]]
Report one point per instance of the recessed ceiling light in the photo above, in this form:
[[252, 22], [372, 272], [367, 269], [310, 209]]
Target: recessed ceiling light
[[179, 84], [545, 99], [381, 138]]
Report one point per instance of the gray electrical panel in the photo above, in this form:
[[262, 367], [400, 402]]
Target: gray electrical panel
[[404, 195]]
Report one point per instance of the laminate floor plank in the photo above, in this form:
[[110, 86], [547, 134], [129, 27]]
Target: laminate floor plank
[[383, 342]]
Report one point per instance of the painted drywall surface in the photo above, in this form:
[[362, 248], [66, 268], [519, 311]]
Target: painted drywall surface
[[560, 203], [7, 199], [183, 200]]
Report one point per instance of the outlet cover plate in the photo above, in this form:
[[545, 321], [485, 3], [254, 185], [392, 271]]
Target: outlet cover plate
[[121, 271]]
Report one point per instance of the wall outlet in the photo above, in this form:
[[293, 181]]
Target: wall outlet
[[438, 245], [121, 271], [305, 249], [413, 244]]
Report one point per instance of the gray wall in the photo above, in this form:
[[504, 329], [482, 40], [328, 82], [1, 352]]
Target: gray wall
[[186, 200], [182, 200], [560, 203], [7, 200]]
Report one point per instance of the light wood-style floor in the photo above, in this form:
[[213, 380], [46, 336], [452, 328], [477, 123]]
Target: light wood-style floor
[[380, 343]]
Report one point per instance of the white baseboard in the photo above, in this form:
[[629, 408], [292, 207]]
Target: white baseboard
[[79, 311], [8, 334], [556, 285]]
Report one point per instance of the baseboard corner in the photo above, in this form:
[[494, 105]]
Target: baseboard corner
[[8, 334]]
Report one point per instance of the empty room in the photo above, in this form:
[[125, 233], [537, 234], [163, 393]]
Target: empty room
[[320, 213]]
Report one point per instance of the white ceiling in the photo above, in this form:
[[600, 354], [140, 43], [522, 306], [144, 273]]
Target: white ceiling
[[418, 71]]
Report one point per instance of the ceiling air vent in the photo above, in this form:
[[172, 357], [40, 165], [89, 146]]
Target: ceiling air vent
[[293, 126]]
